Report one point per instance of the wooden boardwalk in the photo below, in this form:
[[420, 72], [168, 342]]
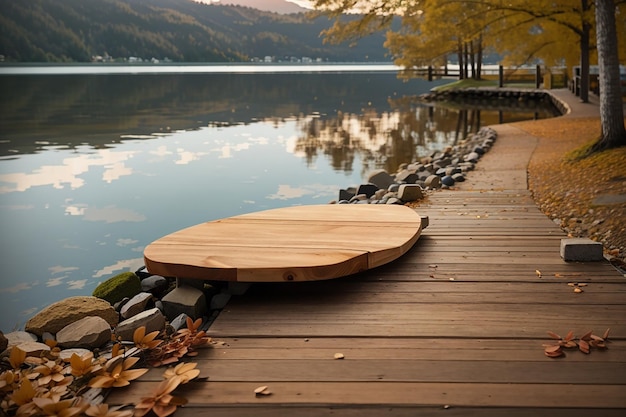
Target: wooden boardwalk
[[455, 327]]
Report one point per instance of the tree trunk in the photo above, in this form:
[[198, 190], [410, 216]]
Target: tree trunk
[[611, 107], [472, 58], [584, 55], [461, 65], [479, 58]]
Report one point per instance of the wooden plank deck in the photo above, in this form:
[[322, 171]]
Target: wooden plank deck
[[455, 327]]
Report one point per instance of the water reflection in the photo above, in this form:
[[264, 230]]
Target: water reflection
[[94, 168]]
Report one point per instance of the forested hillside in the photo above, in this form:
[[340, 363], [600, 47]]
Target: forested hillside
[[180, 30]]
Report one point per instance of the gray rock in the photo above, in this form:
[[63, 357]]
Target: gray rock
[[379, 194], [58, 315], [410, 192], [154, 284], [393, 188], [88, 332], [452, 170], [179, 322], [367, 189], [66, 354], [4, 342], [394, 200], [447, 180], [184, 299], [33, 348], [380, 178], [358, 197], [471, 157], [345, 195], [458, 177], [16, 338], [152, 319], [219, 301], [407, 176], [136, 305], [433, 181]]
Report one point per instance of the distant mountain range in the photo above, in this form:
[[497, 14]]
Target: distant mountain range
[[276, 6], [176, 30]]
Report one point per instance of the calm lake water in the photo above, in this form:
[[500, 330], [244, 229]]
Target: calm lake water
[[95, 165]]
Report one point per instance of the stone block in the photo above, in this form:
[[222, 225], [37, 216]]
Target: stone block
[[88, 332], [581, 250], [184, 299], [367, 189], [410, 192]]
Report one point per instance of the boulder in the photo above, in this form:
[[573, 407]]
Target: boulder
[[33, 348], [58, 315], [88, 333], [153, 320], [126, 284]]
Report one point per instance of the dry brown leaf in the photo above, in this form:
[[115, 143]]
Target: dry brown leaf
[[339, 356], [538, 272], [262, 390], [557, 275], [578, 290], [597, 338], [571, 284], [606, 334], [554, 335], [583, 346], [586, 336], [582, 284], [552, 348], [569, 336]]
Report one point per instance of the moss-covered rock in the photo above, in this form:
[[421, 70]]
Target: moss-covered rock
[[114, 289]]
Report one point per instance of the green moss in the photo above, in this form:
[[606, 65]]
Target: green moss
[[114, 289]]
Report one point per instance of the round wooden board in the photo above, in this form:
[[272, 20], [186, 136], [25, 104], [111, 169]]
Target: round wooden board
[[300, 243]]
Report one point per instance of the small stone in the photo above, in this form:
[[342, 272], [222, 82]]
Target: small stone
[[407, 177], [380, 178], [433, 181], [4, 342], [154, 284], [367, 189], [179, 322], [33, 348], [447, 180], [66, 354], [410, 192], [151, 319], [88, 332], [394, 200], [471, 157], [458, 177], [136, 305]]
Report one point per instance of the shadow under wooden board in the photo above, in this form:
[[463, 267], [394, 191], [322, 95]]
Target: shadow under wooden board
[[300, 243]]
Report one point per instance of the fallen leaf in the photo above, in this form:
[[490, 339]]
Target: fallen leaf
[[582, 284], [557, 275], [583, 346], [553, 348], [262, 390], [569, 336], [606, 334], [554, 335], [538, 272], [578, 290], [339, 356], [571, 284]]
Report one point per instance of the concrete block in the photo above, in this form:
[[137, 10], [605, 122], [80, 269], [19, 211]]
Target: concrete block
[[581, 250]]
